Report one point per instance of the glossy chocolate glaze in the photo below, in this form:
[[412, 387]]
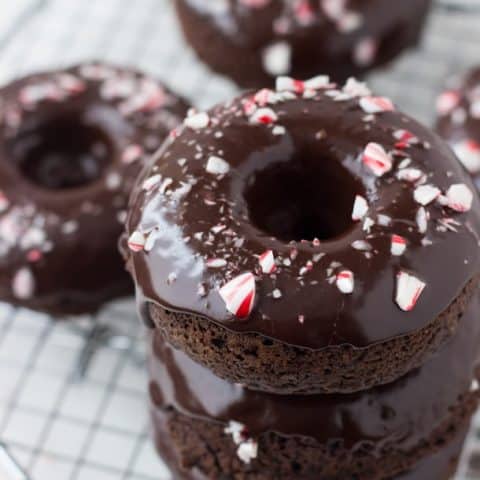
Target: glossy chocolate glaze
[[301, 38], [192, 216], [400, 414], [71, 145], [459, 120]]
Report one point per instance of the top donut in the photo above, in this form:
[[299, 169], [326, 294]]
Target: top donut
[[253, 41], [314, 216]]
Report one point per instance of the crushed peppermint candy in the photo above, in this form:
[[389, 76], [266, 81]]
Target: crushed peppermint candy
[[345, 281], [398, 245], [217, 166], [360, 208], [248, 450], [276, 294], [267, 262], [377, 159], [265, 116], [216, 263], [136, 241], [23, 284], [409, 289], [425, 194], [376, 104], [239, 295], [411, 175], [422, 220], [459, 198], [197, 121], [468, 152]]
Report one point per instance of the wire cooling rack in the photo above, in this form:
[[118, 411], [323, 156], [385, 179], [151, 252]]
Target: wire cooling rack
[[72, 395]]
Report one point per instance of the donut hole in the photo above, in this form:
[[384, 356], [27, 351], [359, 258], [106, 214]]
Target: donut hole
[[62, 153], [303, 200]]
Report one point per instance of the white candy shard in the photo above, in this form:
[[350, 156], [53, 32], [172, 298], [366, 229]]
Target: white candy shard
[[459, 197], [197, 121], [136, 241], [409, 289], [23, 284], [217, 166], [376, 104], [360, 208], [468, 152], [425, 194]]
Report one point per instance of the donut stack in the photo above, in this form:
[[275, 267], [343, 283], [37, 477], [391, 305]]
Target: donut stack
[[307, 258]]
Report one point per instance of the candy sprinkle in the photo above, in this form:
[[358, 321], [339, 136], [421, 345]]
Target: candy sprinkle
[[136, 242], [377, 159], [217, 166], [239, 295], [345, 281], [360, 208], [409, 289], [267, 262], [376, 104], [459, 198], [398, 245]]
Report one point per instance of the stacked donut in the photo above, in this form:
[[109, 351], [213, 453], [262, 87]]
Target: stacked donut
[[307, 257]]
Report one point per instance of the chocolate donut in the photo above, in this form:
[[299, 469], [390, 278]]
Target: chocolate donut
[[215, 429], [71, 145], [253, 41], [310, 239], [458, 109]]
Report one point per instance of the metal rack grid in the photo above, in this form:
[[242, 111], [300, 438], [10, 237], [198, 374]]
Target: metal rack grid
[[72, 395]]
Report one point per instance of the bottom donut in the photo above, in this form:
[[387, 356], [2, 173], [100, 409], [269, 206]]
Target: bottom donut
[[412, 429]]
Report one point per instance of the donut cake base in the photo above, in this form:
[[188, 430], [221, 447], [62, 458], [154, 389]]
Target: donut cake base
[[271, 365]]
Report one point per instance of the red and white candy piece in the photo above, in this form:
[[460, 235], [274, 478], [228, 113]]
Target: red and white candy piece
[[425, 194], [376, 104], [197, 121], [411, 175], [267, 262], [360, 208], [459, 197], [398, 245], [409, 289], [404, 138], [239, 294], [468, 152], [23, 284], [4, 202], [377, 159], [136, 241], [447, 102], [217, 166], [345, 281], [422, 220], [265, 116]]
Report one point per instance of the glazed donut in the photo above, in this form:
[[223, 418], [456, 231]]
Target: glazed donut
[[253, 41], [311, 239], [215, 429], [71, 145], [458, 110]]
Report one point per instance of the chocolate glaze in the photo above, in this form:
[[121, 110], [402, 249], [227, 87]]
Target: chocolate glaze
[[71, 145], [459, 121], [305, 37], [402, 413], [193, 215]]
